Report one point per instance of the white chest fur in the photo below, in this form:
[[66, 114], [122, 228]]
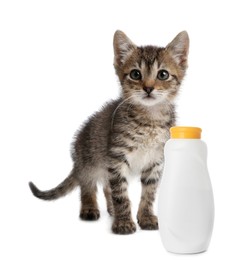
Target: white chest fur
[[149, 151], [140, 159]]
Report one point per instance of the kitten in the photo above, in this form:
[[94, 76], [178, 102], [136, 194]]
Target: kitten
[[128, 135]]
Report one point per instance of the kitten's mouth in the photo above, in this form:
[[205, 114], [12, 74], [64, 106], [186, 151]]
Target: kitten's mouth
[[150, 99], [149, 96]]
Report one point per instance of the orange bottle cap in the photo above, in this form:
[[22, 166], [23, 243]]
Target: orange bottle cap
[[185, 132]]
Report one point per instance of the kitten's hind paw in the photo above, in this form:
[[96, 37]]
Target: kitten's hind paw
[[89, 214], [123, 227]]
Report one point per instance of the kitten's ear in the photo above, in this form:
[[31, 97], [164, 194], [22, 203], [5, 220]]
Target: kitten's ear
[[179, 47], [123, 47]]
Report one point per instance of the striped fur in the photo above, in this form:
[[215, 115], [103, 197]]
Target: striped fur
[[128, 135]]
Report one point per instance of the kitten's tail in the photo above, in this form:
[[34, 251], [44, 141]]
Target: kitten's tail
[[61, 190]]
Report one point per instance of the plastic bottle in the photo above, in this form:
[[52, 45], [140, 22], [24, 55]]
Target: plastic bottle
[[185, 202]]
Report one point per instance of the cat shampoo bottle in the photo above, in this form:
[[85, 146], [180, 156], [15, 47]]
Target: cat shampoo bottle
[[185, 202]]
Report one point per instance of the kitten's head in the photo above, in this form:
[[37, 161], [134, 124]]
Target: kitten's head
[[150, 75]]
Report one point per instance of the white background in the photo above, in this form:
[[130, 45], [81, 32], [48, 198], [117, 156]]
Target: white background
[[55, 70]]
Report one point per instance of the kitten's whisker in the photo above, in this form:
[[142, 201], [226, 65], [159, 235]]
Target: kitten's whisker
[[129, 107], [113, 115]]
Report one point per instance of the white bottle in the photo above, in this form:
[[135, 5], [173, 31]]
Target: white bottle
[[185, 202]]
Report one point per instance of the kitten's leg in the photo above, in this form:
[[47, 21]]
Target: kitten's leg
[[89, 207], [149, 179], [123, 223], [108, 196]]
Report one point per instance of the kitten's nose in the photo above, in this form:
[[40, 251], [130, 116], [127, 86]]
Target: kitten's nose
[[148, 90]]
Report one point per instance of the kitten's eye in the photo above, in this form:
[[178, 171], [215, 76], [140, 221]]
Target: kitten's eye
[[135, 75], [162, 75]]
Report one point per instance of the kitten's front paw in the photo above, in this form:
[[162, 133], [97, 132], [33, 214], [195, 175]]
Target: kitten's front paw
[[89, 214], [149, 222], [123, 227]]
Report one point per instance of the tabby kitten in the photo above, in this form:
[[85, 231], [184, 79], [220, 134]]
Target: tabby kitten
[[128, 135]]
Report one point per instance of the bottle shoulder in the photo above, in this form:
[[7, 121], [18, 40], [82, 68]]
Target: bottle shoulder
[[186, 148], [174, 142]]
